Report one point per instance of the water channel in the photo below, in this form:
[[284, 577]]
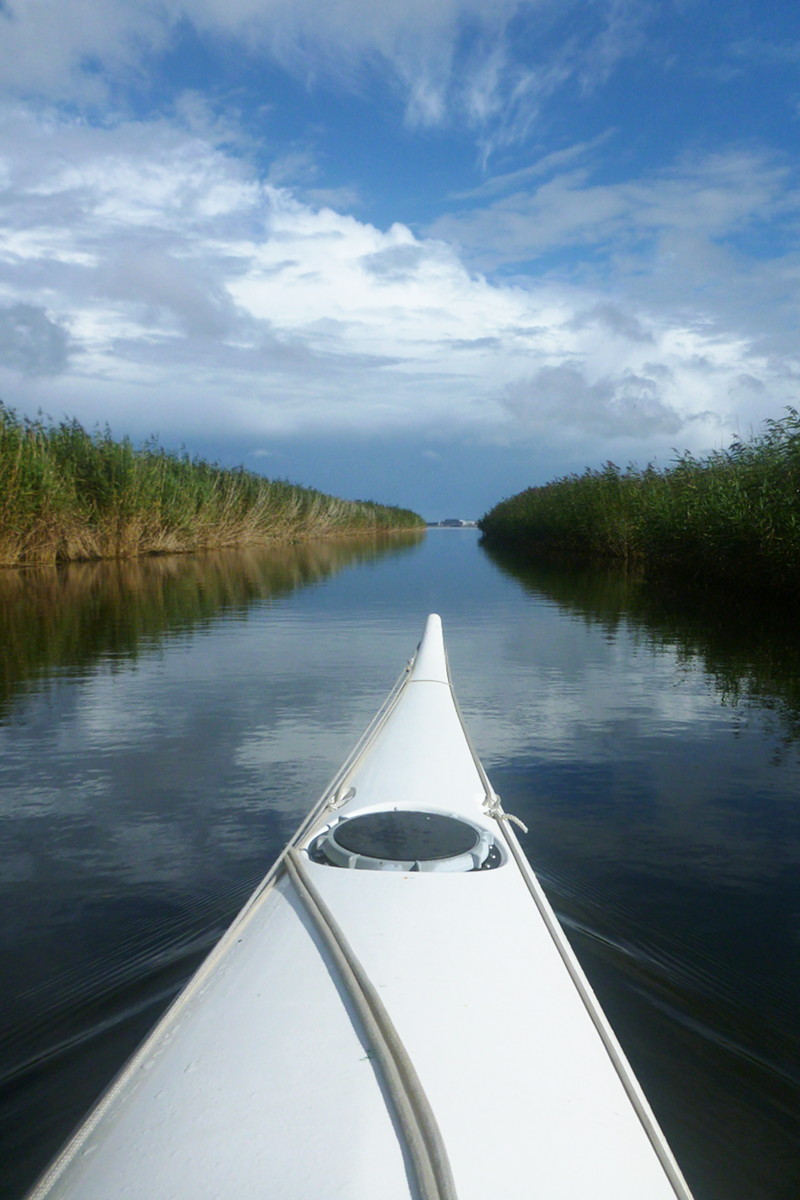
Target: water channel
[[165, 724]]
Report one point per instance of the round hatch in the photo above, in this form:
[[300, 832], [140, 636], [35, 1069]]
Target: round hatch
[[405, 840]]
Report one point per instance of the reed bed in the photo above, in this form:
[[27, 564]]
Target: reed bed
[[67, 494], [733, 516]]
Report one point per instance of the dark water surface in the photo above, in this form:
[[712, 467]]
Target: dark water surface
[[165, 724]]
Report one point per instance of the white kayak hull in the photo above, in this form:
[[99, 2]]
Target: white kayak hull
[[375, 1025]]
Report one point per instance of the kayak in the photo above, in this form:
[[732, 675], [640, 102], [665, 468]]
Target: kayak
[[395, 1013]]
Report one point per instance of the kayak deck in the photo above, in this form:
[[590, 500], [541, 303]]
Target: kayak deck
[[264, 1080]]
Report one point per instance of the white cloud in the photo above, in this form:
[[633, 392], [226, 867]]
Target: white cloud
[[30, 342], [50, 49], [626, 405], [450, 60], [613, 319], [164, 286], [447, 58], [707, 244], [716, 196]]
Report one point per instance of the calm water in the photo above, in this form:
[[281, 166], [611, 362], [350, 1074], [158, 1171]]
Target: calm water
[[165, 724]]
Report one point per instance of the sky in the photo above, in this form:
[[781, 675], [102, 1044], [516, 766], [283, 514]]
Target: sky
[[426, 252]]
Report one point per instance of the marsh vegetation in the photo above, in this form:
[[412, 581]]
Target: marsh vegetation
[[67, 494], [733, 516]]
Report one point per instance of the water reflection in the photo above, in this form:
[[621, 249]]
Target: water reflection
[[64, 619], [135, 816], [750, 650], [665, 824], [163, 738]]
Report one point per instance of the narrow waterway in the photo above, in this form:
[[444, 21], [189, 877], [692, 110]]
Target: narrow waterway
[[165, 724]]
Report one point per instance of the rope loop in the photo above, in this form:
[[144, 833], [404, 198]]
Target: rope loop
[[495, 809]]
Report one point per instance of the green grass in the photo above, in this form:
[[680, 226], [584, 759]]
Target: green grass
[[67, 494], [732, 516]]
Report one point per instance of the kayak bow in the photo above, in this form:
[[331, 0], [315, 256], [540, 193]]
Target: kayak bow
[[396, 1012]]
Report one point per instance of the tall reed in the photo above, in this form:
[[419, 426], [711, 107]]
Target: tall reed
[[733, 515], [68, 494]]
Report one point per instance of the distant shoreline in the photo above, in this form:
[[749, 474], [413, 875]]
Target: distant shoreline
[[452, 525]]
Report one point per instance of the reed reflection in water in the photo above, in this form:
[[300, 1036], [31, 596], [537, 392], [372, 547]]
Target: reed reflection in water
[[667, 833], [64, 619], [137, 807], [163, 735]]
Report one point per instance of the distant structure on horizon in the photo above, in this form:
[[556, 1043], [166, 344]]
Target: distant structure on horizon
[[452, 523]]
